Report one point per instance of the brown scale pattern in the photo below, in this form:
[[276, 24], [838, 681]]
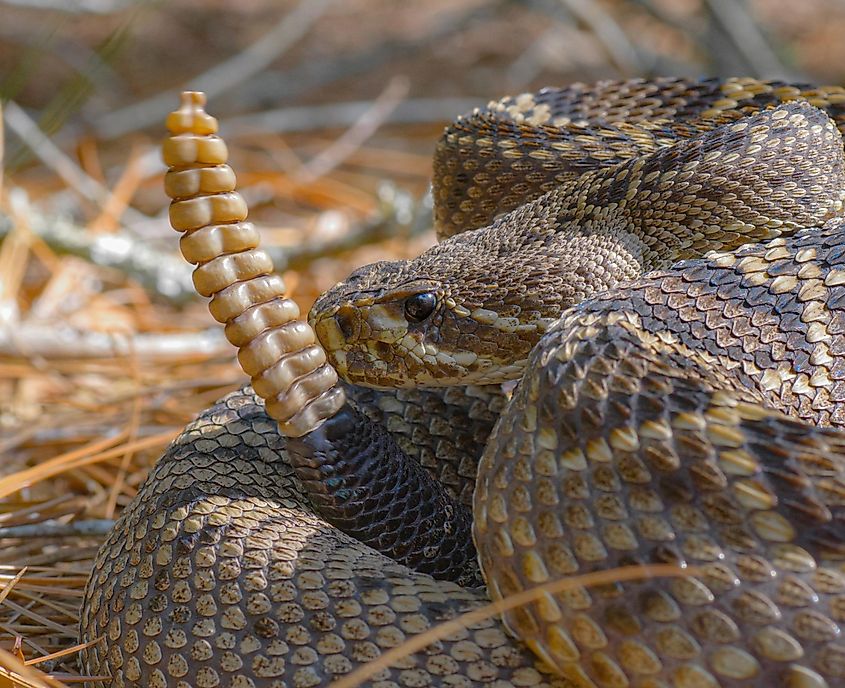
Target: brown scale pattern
[[444, 429], [219, 574], [498, 288], [652, 426], [516, 149]]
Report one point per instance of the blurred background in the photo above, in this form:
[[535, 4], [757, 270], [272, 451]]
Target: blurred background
[[331, 109]]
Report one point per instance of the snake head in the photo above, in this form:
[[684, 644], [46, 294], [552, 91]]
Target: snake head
[[446, 317], [469, 310]]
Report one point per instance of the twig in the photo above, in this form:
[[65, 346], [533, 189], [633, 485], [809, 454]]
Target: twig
[[160, 272], [223, 76], [27, 612], [75, 6], [352, 139], [134, 424], [2, 149], [8, 587], [52, 341], [739, 26], [13, 259], [18, 674], [95, 452], [38, 509], [72, 678], [335, 115], [86, 430], [120, 196], [607, 31], [399, 216], [665, 16], [52, 156], [93, 527], [169, 277], [53, 656]]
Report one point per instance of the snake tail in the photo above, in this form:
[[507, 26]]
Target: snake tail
[[359, 481], [276, 348]]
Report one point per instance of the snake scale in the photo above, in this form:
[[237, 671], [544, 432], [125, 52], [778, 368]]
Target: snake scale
[[672, 408]]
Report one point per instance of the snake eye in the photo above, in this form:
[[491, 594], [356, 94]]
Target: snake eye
[[419, 306]]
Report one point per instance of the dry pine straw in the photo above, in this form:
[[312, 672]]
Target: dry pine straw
[[77, 438], [92, 430]]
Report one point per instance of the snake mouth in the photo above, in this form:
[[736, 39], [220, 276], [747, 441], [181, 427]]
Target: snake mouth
[[365, 343], [336, 329]]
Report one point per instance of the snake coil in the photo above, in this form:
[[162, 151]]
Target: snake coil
[[275, 348], [677, 419]]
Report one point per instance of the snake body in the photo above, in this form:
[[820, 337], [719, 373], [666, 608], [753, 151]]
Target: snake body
[[681, 418]]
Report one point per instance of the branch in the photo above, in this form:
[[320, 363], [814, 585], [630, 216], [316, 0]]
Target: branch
[[610, 35], [161, 273], [352, 139], [29, 340], [745, 35], [52, 156], [95, 527], [75, 6], [223, 76], [336, 115]]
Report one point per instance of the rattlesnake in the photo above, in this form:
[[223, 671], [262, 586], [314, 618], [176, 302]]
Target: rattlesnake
[[651, 424]]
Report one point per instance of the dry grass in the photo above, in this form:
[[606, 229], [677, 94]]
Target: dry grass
[[99, 369]]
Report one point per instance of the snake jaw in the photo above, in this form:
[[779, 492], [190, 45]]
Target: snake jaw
[[370, 340]]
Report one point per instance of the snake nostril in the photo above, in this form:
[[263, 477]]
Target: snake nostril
[[345, 318]]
